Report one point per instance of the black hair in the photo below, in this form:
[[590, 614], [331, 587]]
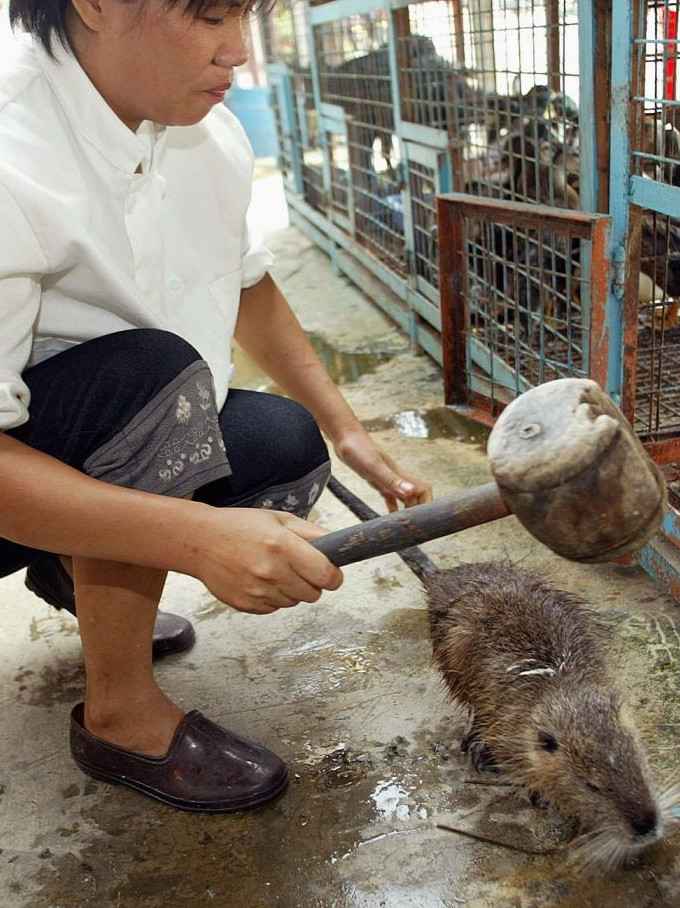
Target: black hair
[[46, 19]]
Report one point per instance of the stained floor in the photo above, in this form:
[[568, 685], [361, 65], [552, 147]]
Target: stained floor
[[344, 690]]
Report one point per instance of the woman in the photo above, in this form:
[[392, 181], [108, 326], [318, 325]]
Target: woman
[[125, 271]]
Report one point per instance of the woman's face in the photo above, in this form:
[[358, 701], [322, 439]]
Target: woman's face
[[157, 62]]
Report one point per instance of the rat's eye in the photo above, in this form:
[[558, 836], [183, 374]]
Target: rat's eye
[[547, 742]]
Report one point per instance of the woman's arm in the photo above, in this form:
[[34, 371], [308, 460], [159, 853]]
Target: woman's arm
[[254, 560], [270, 333]]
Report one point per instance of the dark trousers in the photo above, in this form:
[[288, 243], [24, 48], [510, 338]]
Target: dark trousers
[[136, 408]]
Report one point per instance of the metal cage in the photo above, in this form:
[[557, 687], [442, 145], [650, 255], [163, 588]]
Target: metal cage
[[516, 308], [355, 75], [501, 78], [523, 117]]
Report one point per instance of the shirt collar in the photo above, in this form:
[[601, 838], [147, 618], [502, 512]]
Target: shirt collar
[[91, 117]]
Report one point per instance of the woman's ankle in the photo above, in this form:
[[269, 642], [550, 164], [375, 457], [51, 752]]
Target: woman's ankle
[[143, 724]]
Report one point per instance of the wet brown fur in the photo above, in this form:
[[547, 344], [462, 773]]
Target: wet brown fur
[[491, 624]]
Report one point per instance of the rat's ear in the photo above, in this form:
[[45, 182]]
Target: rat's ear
[[547, 741]]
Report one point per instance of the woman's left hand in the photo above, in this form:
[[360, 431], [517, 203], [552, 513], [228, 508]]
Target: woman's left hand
[[358, 450]]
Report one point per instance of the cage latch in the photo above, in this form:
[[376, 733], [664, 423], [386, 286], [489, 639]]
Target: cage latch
[[619, 272]]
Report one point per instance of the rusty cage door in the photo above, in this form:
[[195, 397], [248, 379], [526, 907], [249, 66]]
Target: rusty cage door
[[523, 298]]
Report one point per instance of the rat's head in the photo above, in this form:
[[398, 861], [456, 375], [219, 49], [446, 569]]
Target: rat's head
[[582, 754]]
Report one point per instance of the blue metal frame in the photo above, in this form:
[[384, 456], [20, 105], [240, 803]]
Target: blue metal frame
[[281, 82], [661, 558], [619, 184]]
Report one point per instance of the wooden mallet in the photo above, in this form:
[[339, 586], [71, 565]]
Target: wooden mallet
[[566, 463]]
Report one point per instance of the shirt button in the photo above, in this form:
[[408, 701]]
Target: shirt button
[[175, 284]]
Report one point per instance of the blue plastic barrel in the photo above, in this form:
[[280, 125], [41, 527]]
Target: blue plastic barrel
[[251, 106]]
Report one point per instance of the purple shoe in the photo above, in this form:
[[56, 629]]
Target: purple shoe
[[207, 769]]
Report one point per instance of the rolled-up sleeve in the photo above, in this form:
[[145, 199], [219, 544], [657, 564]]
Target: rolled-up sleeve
[[256, 259], [22, 263]]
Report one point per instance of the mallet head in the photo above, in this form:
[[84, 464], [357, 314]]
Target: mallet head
[[569, 466]]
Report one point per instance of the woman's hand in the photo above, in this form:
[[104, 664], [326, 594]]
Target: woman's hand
[[259, 561], [358, 450]]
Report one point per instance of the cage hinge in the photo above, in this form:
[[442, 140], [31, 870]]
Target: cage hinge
[[619, 272]]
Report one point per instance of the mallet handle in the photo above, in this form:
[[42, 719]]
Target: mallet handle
[[411, 526]]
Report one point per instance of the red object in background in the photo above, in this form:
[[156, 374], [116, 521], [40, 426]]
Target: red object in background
[[671, 64]]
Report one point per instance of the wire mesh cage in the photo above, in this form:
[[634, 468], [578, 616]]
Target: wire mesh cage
[[482, 95], [284, 149], [655, 293], [378, 202], [307, 123], [422, 184], [286, 43], [284, 35], [502, 78], [355, 74], [338, 152], [517, 308]]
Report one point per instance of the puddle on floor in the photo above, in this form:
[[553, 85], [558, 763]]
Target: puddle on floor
[[407, 624], [342, 366], [318, 671], [388, 798], [58, 682], [438, 422]]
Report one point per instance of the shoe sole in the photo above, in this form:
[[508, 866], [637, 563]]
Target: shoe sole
[[177, 803]]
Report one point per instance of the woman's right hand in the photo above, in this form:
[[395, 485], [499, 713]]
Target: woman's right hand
[[259, 561]]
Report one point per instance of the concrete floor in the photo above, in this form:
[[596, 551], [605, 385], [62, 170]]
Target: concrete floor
[[343, 690]]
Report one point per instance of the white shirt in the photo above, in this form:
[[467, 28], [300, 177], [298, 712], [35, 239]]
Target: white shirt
[[89, 246]]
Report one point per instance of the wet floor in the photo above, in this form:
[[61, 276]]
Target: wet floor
[[437, 422], [345, 691], [351, 702], [343, 366]]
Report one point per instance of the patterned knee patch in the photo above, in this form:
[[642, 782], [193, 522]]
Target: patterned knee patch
[[297, 497]]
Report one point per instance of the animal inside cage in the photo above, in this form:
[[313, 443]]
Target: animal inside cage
[[501, 77], [517, 307], [378, 204], [656, 158]]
